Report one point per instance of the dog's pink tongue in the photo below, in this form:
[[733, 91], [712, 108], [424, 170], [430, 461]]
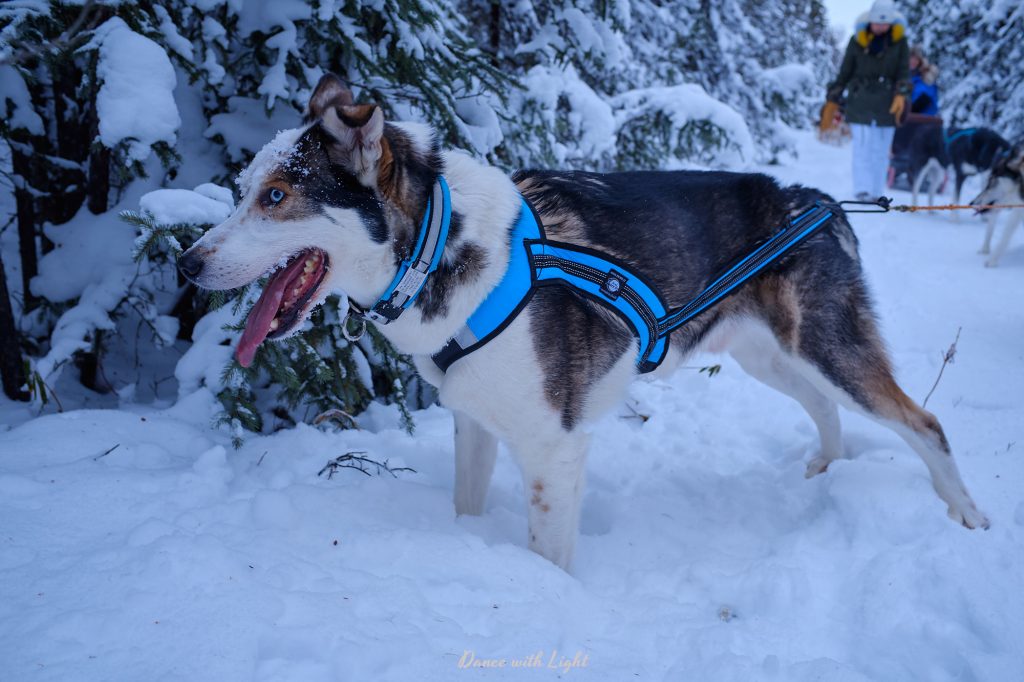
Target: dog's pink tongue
[[257, 325]]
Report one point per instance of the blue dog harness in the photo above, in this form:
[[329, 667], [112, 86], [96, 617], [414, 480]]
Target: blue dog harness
[[966, 132], [536, 261]]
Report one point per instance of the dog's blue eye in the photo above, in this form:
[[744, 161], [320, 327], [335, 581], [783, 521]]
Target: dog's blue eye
[[276, 196]]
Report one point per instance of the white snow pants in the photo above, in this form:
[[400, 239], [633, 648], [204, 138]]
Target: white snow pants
[[871, 145]]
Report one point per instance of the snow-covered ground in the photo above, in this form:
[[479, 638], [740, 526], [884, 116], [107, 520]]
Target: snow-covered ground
[[704, 554]]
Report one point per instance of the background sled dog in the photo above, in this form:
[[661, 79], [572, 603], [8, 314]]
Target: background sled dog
[[339, 201], [969, 150], [1005, 186]]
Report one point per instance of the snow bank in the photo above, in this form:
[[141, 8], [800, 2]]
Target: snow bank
[[590, 118], [212, 346], [246, 126], [16, 102], [189, 207], [685, 104], [136, 99], [479, 123], [85, 249], [790, 80]]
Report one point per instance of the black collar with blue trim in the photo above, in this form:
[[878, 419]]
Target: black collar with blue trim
[[412, 273]]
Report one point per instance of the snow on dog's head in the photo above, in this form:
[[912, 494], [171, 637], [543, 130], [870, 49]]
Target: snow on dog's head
[[323, 209]]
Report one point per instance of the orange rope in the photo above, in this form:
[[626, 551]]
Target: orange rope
[[950, 207]]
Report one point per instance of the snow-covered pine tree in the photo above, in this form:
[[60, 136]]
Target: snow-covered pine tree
[[978, 46], [90, 91], [766, 60], [649, 84]]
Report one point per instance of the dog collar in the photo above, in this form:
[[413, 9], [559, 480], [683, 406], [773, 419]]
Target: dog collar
[[426, 256]]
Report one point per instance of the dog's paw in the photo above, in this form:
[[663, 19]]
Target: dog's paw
[[969, 517], [991, 263], [818, 465]]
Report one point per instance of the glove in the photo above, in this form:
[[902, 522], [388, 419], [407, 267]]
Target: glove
[[899, 105], [828, 116]]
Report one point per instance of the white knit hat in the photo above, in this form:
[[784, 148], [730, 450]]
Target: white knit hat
[[883, 12]]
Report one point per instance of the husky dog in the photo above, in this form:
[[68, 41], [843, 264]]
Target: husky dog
[[969, 150], [1005, 186], [338, 203]]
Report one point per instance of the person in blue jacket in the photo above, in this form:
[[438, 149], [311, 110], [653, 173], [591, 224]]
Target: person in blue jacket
[[924, 97]]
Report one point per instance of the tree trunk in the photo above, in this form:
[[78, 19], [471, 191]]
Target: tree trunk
[[26, 211], [72, 129], [99, 180], [12, 368], [494, 32]]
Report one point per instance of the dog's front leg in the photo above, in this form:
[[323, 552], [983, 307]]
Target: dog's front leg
[[991, 218], [475, 452], [553, 476], [1011, 222]]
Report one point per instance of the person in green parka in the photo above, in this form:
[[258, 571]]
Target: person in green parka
[[876, 76]]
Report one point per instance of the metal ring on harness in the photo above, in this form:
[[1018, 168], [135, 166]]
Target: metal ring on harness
[[352, 338]]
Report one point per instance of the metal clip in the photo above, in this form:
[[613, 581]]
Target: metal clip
[[353, 337]]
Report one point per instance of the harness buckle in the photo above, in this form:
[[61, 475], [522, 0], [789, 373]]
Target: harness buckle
[[383, 312]]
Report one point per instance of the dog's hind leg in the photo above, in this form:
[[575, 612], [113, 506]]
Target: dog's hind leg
[[475, 452], [758, 353], [840, 351], [915, 184], [925, 173]]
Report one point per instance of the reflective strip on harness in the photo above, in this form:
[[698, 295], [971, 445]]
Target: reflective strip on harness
[[536, 261]]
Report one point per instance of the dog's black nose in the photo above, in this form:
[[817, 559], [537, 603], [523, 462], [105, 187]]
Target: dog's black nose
[[190, 264]]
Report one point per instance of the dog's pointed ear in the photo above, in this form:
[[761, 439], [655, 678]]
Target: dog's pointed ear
[[358, 132], [330, 92]]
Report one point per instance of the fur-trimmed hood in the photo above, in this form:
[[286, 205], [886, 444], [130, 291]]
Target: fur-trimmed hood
[[928, 72], [863, 35]]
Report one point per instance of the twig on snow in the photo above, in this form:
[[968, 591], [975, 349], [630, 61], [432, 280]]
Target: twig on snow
[[109, 450], [946, 359], [356, 460], [636, 414]]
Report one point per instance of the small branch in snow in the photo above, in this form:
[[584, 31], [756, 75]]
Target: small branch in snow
[[711, 370], [356, 460], [260, 460], [636, 415], [109, 450], [946, 359]]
